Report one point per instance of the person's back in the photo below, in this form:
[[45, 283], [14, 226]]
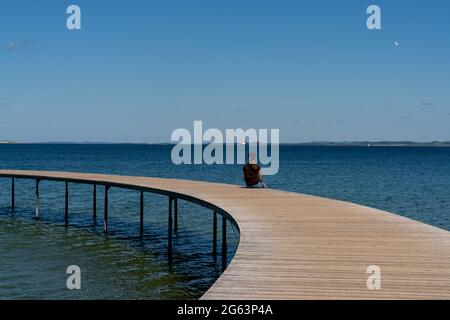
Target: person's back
[[252, 174]]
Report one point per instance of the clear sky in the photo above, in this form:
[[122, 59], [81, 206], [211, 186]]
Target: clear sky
[[140, 69]]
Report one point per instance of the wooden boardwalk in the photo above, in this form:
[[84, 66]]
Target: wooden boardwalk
[[295, 246]]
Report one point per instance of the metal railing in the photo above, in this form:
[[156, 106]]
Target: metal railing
[[172, 223]]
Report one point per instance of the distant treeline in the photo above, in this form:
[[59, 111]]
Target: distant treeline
[[380, 144]]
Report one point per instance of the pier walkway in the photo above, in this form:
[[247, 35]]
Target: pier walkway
[[295, 246]]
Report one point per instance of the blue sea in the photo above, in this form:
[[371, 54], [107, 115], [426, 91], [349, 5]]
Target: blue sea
[[409, 181]]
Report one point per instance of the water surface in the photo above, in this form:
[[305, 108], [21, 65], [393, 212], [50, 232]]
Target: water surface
[[34, 255]]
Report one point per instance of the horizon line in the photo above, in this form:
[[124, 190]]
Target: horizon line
[[325, 142]]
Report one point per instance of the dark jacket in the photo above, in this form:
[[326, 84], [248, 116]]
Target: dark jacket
[[251, 174]]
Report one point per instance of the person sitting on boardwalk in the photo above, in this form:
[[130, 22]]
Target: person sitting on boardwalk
[[252, 173]]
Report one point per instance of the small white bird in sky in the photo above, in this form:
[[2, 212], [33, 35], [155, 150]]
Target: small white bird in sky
[[396, 44]]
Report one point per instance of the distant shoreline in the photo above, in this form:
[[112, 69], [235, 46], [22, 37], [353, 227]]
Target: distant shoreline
[[306, 144]]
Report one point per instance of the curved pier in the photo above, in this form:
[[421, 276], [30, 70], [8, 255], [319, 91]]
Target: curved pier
[[294, 246]]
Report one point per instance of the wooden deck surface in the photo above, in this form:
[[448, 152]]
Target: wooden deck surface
[[295, 246]]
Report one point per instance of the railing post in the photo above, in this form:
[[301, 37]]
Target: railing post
[[13, 205], [94, 204], [224, 243], [176, 215], [36, 200], [106, 210], [215, 234], [169, 231], [66, 206], [141, 216]]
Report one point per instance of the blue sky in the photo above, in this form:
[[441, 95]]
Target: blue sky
[[140, 69]]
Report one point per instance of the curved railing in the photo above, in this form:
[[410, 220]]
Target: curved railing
[[131, 183], [295, 246]]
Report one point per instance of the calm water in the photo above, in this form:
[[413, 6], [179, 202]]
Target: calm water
[[413, 182]]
